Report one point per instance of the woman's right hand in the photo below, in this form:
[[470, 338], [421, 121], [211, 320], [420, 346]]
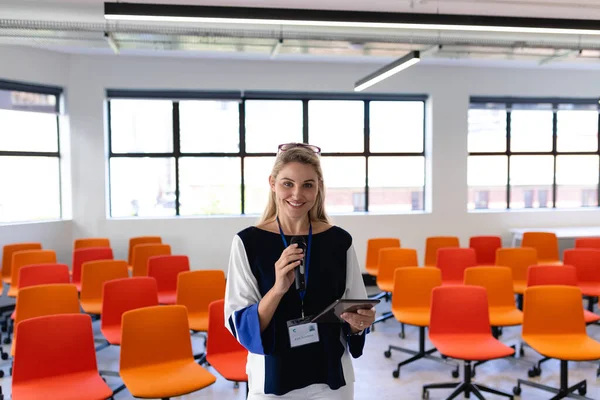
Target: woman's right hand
[[284, 268]]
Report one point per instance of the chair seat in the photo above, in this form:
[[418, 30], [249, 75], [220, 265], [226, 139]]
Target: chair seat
[[13, 291], [519, 286], [92, 306], [509, 316], [167, 297], [565, 347], [372, 271], [232, 366], [549, 262], [414, 316], [79, 386], [590, 317], [386, 286], [589, 288], [166, 380], [471, 347], [198, 321], [78, 286], [112, 334], [7, 279]]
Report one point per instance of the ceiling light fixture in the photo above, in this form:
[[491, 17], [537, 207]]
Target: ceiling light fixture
[[385, 72], [276, 49], [112, 42]]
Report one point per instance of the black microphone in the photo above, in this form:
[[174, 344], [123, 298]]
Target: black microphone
[[299, 271]]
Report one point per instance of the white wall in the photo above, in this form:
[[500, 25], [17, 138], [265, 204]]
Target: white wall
[[207, 240]]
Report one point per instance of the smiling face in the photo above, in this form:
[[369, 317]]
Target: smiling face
[[296, 187]]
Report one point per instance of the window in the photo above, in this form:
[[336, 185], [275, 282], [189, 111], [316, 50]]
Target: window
[[30, 187], [533, 153], [212, 153]]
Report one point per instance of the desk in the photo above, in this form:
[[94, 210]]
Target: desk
[[561, 233]]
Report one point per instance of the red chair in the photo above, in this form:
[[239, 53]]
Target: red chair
[[223, 351], [43, 274], [587, 243], [587, 266], [452, 262], [460, 328], [165, 270], [84, 255], [55, 360], [485, 248]]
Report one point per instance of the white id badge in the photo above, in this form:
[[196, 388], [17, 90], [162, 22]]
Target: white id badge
[[302, 332]]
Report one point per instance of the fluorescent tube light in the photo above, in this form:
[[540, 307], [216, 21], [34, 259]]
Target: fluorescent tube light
[[385, 72], [276, 49], [112, 42]]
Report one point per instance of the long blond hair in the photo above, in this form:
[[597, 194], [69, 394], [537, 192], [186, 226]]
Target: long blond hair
[[300, 155]]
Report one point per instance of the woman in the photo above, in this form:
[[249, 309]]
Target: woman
[[288, 356]]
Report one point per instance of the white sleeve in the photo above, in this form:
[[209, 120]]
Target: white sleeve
[[355, 286]]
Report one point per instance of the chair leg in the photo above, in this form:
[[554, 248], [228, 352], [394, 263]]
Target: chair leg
[[564, 391]]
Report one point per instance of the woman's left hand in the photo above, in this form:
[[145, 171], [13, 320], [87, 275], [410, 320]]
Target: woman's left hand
[[359, 320]]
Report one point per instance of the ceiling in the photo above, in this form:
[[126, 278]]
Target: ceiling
[[78, 26]]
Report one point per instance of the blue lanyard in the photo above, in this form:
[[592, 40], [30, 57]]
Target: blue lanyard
[[306, 257]]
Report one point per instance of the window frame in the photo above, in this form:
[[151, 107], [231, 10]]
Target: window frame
[[241, 98]]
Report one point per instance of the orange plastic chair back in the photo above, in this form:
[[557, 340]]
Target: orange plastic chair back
[[7, 252], [197, 289], [165, 270], [43, 274], [587, 243], [586, 262], [518, 260], [83, 255], [28, 257], [485, 248], [413, 287], [94, 275], [498, 283], [141, 254], [453, 262], [553, 309], [459, 310], [373, 247], [86, 243], [432, 244], [545, 243], [389, 260], [140, 240], [551, 275]]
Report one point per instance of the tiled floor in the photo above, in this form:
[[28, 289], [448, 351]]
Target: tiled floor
[[374, 371]]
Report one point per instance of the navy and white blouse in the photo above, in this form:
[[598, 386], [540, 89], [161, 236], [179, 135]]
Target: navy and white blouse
[[334, 273]]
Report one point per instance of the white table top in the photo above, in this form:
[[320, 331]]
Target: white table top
[[563, 232]]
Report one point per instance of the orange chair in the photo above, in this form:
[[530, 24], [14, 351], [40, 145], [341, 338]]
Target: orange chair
[[28, 257], [140, 240], [485, 248], [587, 264], [7, 253], [165, 270], [460, 328], [141, 254], [166, 373], [587, 243], [84, 255], [518, 260], [373, 247], [55, 360], [43, 274], [90, 242], [224, 353], [453, 262], [94, 275], [546, 244], [553, 325], [432, 244], [411, 301]]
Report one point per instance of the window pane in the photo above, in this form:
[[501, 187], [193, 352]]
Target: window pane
[[344, 179], [256, 183], [396, 183], [336, 126], [28, 101], [210, 186], [209, 126], [270, 123], [396, 126], [577, 130], [531, 129], [142, 187], [141, 126], [531, 181], [28, 131], [487, 130], [30, 188], [487, 178], [576, 181]]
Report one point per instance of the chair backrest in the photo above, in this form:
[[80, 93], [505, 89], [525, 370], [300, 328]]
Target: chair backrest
[[96, 273], [413, 287], [197, 289], [373, 247], [7, 252], [84, 255], [161, 327], [165, 270], [459, 310], [140, 240], [538, 275], [41, 300], [453, 262], [86, 243], [498, 283], [125, 294], [54, 346], [29, 257], [553, 309], [392, 258], [586, 262], [518, 260], [43, 274], [141, 254], [587, 243], [545, 243], [220, 340], [433, 243], [485, 248]]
